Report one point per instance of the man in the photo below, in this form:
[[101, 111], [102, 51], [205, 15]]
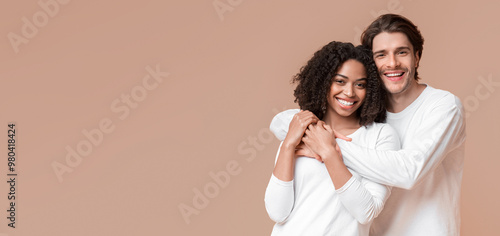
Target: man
[[427, 171]]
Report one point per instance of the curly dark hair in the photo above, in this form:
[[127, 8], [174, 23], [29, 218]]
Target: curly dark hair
[[315, 79]]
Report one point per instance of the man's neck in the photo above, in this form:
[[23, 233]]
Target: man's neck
[[398, 102]]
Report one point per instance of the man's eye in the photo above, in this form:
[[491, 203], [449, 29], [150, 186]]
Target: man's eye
[[403, 53], [379, 55]]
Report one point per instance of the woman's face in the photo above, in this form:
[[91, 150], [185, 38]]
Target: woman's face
[[348, 90]]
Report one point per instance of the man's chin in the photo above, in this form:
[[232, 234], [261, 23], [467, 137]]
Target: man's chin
[[396, 89]]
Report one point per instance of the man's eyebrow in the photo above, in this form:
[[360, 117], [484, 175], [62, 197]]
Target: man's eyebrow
[[401, 48], [397, 49]]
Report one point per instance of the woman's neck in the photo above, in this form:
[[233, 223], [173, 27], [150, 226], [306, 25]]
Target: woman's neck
[[343, 124]]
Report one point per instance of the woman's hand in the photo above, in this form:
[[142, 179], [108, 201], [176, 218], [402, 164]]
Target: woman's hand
[[303, 150], [285, 165], [298, 126], [320, 139]]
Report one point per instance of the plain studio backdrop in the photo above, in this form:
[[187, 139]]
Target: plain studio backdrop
[[151, 117]]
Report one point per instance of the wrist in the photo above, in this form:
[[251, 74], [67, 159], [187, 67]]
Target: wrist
[[287, 145], [330, 154]]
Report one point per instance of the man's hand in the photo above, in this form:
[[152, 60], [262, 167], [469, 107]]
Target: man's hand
[[298, 126], [340, 136]]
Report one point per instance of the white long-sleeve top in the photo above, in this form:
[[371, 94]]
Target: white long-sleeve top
[[310, 205], [427, 170]]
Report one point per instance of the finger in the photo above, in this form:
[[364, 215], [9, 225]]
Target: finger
[[307, 132], [341, 136], [308, 147], [314, 118], [306, 121], [322, 125], [309, 135], [300, 114], [312, 114], [306, 140], [309, 114], [327, 127], [300, 152], [337, 147], [312, 153], [310, 127], [310, 120]]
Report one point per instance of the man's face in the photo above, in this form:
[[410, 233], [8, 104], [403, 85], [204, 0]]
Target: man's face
[[395, 60]]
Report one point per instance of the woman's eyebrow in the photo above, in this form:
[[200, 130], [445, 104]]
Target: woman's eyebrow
[[343, 76]]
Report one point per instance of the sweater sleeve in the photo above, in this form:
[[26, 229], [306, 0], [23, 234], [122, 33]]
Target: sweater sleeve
[[279, 198], [441, 132], [363, 198], [281, 121]]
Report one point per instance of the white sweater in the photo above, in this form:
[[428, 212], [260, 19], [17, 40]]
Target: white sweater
[[310, 205], [427, 171]]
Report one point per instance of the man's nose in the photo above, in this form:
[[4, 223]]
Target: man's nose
[[392, 61]]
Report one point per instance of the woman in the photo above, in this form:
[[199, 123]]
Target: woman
[[339, 86]]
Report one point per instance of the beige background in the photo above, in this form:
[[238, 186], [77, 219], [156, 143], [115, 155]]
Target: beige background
[[229, 73]]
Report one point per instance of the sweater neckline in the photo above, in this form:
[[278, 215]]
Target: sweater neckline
[[355, 133], [410, 107]]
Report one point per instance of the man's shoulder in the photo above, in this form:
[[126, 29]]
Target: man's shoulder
[[438, 97]]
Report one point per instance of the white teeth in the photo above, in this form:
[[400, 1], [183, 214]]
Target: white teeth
[[345, 103], [394, 74]]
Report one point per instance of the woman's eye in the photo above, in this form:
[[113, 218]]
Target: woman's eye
[[339, 81], [361, 85]]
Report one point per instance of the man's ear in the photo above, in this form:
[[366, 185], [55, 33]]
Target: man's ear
[[417, 59]]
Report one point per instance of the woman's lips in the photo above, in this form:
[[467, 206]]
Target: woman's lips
[[345, 104]]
